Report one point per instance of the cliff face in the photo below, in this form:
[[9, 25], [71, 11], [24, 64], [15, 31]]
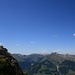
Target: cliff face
[[8, 64]]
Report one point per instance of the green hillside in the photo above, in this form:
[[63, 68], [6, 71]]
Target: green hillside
[[49, 64]]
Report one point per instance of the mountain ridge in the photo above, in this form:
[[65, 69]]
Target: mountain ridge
[[8, 64], [39, 64]]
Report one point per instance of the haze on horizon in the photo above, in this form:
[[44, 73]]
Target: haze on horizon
[[38, 26]]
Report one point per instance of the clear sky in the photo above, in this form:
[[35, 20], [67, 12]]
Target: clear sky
[[38, 26]]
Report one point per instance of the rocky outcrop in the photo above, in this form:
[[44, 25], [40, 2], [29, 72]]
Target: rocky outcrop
[[8, 64]]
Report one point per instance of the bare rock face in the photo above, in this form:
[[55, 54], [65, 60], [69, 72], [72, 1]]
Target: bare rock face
[[8, 64]]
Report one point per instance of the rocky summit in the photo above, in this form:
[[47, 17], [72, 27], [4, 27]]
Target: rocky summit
[[8, 64]]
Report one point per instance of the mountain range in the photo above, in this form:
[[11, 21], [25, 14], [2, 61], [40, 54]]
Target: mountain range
[[47, 64]]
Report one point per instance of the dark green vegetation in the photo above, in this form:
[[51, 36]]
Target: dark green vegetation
[[50, 64], [8, 64]]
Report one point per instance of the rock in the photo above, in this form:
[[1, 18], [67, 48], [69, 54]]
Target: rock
[[8, 64]]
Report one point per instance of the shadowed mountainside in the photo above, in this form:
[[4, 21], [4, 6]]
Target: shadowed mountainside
[[8, 64]]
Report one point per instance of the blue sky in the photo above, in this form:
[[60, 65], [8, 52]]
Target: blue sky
[[38, 26]]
